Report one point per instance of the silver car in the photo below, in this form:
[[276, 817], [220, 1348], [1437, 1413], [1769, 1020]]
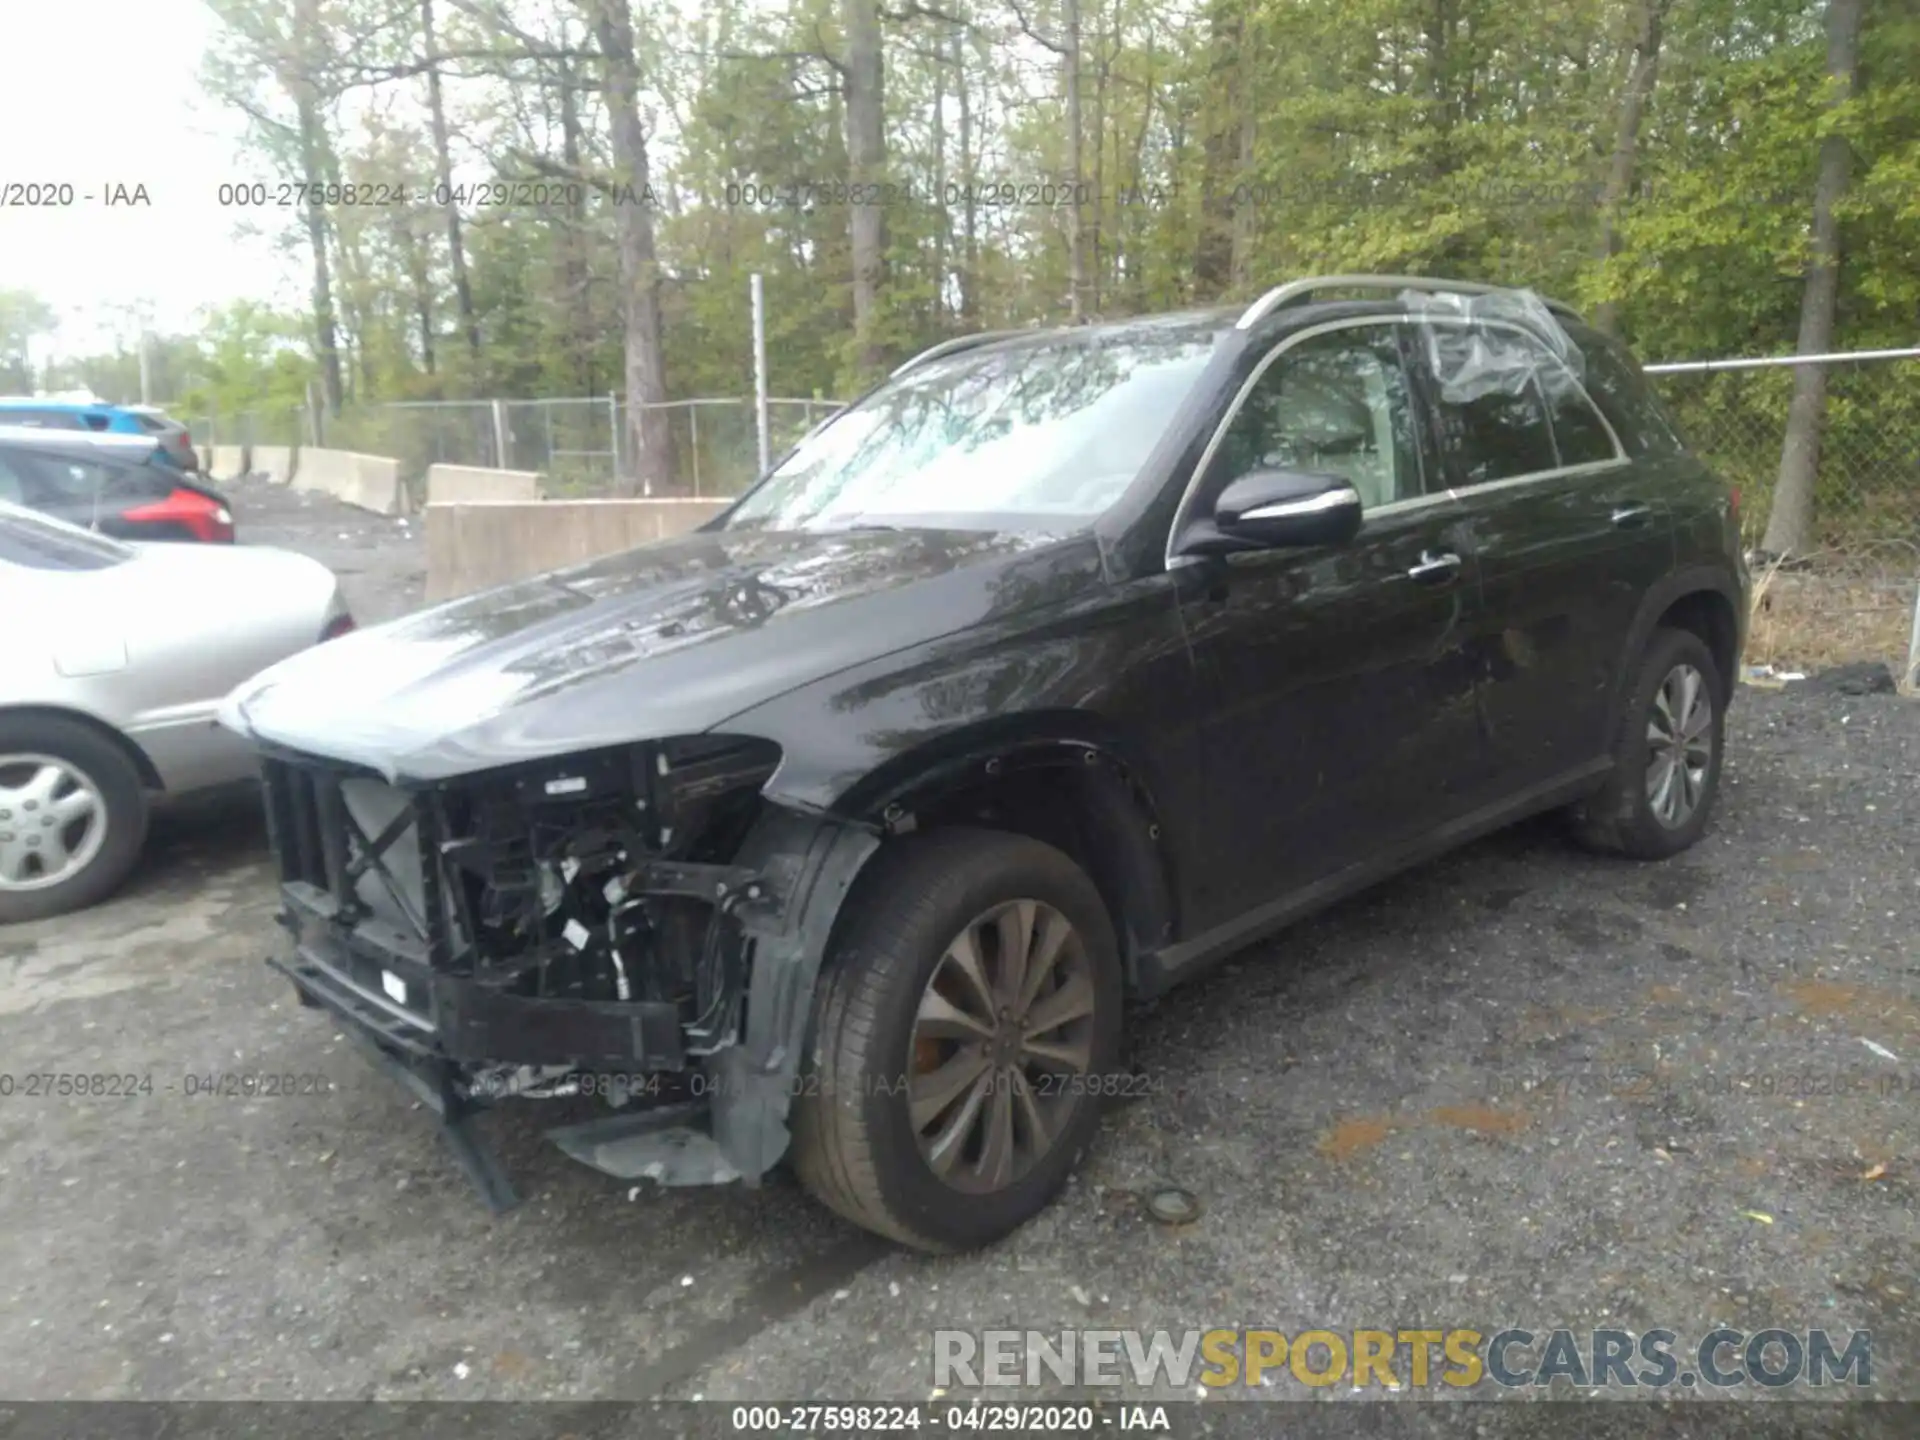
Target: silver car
[[113, 661]]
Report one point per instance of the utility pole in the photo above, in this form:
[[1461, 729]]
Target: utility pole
[[759, 296]]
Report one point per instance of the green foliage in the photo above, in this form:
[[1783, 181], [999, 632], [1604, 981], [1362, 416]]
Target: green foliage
[[1226, 145], [24, 318]]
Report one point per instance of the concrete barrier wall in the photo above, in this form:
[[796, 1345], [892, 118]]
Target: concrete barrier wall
[[462, 484], [370, 481], [226, 462], [273, 463], [477, 546]]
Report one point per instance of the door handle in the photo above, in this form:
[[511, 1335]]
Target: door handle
[[1631, 514], [1435, 569]]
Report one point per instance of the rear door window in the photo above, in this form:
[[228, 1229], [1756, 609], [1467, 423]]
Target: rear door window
[[1500, 435], [1522, 412]]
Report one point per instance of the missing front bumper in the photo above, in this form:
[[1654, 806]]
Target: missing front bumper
[[439, 1031], [361, 973]]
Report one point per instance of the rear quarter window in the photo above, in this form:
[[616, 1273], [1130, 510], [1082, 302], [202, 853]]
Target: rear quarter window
[[1620, 389]]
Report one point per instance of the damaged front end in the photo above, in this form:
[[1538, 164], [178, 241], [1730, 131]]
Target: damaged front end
[[636, 924]]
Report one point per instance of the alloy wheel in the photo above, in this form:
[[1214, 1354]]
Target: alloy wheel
[[1679, 746], [1002, 1043], [53, 821]]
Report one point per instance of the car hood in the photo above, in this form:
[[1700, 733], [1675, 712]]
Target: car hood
[[669, 639]]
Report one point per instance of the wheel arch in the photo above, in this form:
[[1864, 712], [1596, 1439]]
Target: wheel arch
[[142, 763], [1064, 778], [1709, 602]]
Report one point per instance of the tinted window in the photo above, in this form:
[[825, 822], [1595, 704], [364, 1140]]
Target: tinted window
[[1496, 436], [40, 544], [1577, 427], [152, 424], [1338, 404], [1622, 391]]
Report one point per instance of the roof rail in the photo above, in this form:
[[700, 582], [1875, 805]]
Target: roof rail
[[954, 346], [1293, 290]]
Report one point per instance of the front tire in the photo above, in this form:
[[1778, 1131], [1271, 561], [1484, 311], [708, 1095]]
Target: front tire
[[964, 1022], [73, 816], [1666, 756]]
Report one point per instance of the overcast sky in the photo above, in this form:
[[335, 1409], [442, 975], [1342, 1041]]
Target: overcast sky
[[106, 92]]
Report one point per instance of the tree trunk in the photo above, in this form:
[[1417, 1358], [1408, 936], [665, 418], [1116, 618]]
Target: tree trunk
[[1626, 142], [942, 221], [356, 291], [1076, 167], [1133, 224], [443, 172], [1440, 86], [414, 257], [1243, 208], [1097, 237], [867, 167], [969, 216], [1219, 151], [648, 430], [1790, 522], [582, 341], [325, 330]]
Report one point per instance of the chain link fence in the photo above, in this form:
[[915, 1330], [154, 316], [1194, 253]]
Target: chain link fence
[[578, 444], [1734, 415], [1853, 597]]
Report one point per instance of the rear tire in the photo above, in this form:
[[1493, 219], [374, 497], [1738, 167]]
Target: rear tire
[[868, 1139], [92, 806], [1657, 800]]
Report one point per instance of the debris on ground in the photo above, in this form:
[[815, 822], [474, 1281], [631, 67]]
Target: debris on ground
[[1867, 677]]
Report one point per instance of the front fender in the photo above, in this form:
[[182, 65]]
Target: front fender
[[810, 863]]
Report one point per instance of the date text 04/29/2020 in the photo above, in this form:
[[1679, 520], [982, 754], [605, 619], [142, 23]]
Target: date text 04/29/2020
[[129, 1085]]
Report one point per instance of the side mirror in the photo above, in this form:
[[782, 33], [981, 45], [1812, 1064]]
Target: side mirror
[[1272, 509]]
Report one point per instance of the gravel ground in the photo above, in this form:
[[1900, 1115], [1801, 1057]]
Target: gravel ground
[[381, 562], [1518, 1086]]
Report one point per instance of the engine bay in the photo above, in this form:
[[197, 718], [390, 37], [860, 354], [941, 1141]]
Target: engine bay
[[607, 877]]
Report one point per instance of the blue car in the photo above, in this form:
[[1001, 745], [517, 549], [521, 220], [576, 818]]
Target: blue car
[[175, 444]]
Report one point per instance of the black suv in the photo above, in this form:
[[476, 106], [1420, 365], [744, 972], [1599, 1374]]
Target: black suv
[[1059, 666]]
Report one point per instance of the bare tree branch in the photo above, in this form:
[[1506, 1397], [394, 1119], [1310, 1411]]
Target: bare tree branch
[[1026, 28]]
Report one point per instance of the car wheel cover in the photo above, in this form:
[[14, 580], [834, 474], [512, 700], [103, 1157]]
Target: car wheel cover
[[53, 821], [1001, 1045], [1679, 746]]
